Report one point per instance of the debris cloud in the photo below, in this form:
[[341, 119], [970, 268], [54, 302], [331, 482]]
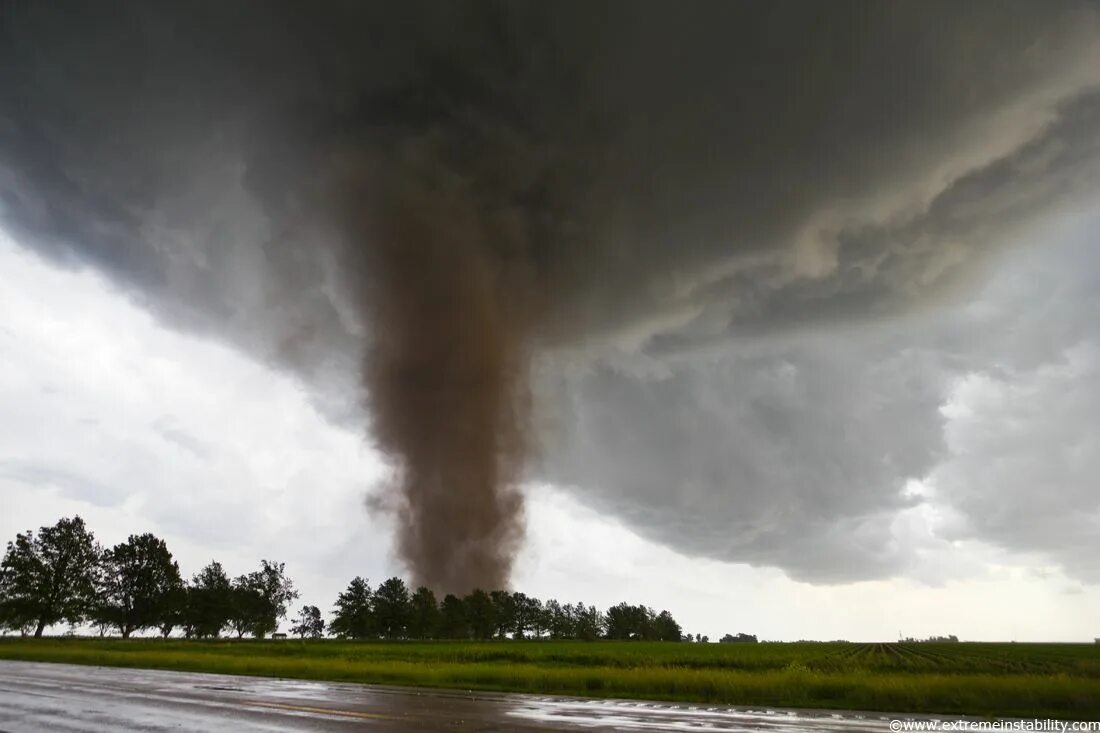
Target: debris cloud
[[445, 382]]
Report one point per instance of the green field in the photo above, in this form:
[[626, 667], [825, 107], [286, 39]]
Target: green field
[[1026, 680]]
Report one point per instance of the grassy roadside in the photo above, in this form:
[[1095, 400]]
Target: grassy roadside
[[1061, 681]]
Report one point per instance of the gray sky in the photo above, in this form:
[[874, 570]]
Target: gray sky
[[140, 428], [816, 347]]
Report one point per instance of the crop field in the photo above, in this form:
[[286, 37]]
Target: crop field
[[993, 679]]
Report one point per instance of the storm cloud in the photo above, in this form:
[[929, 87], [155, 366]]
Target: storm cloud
[[724, 235]]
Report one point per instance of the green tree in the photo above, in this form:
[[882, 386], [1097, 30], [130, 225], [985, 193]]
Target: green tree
[[353, 617], [275, 592], [246, 605], [573, 619], [209, 602], [623, 622], [504, 612], [557, 620], [588, 623], [391, 608], [137, 585], [309, 623], [632, 622], [666, 627], [480, 614], [423, 615], [48, 578], [538, 617], [526, 615], [260, 599], [174, 610], [452, 618]]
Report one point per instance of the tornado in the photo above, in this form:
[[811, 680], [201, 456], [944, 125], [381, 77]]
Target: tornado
[[444, 378], [408, 207]]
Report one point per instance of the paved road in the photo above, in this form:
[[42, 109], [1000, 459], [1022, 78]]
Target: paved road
[[63, 697]]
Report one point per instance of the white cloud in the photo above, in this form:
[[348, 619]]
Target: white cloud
[[139, 428]]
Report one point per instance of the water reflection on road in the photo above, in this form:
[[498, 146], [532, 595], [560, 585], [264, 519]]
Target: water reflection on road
[[52, 697], [630, 715]]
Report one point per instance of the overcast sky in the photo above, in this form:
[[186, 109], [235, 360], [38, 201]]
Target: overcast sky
[[139, 428], [786, 320]]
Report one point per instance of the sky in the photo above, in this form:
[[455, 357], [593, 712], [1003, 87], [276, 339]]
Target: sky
[[137, 427], [779, 317]]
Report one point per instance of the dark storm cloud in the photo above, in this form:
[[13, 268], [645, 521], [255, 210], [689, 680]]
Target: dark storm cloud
[[621, 178], [794, 450], [1025, 445], [792, 454]]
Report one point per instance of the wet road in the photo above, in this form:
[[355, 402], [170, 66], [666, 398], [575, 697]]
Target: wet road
[[62, 697]]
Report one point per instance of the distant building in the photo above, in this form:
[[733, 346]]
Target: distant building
[[278, 636]]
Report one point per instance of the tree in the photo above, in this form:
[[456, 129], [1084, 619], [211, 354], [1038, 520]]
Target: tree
[[452, 618], [391, 608], [309, 623], [50, 578], [666, 627], [540, 618], [137, 585], [625, 621], [589, 624], [209, 602], [527, 615], [174, 609], [480, 614], [635, 622], [504, 612], [260, 599], [560, 624], [423, 615], [246, 605], [353, 617]]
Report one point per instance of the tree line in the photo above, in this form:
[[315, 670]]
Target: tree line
[[62, 575], [393, 611]]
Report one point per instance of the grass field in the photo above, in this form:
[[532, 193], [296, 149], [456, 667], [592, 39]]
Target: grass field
[[1025, 680]]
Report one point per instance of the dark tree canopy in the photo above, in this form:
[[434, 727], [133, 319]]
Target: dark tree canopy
[[481, 615], [640, 622], [391, 608], [423, 615], [209, 602], [309, 623], [138, 586], [353, 617], [62, 575], [260, 599], [48, 578], [666, 628], [504, 612], [452, 618]]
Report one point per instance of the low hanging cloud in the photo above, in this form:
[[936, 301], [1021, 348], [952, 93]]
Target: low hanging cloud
[[1023, 439], [705, 226], [793, 454], [797, 451]]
